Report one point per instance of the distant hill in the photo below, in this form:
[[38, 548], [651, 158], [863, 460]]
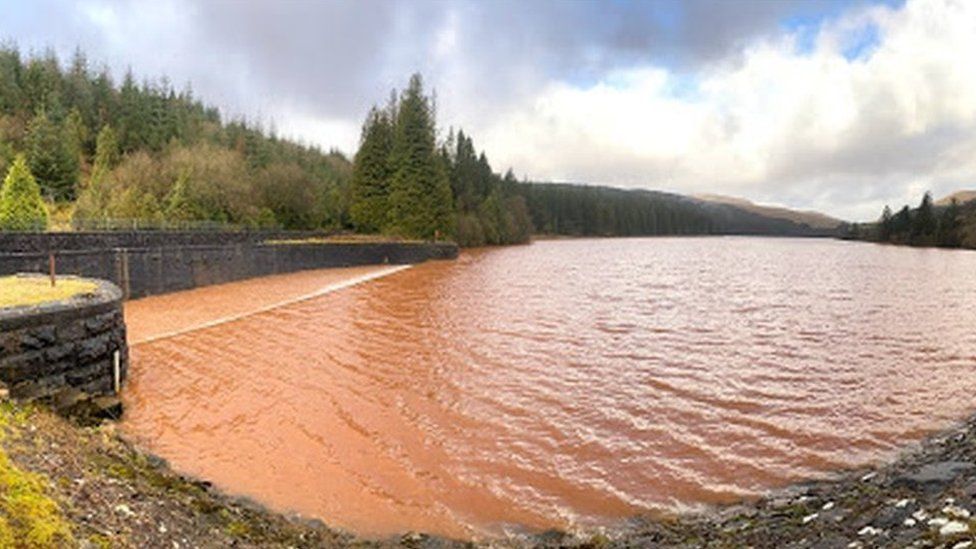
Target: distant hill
[[814, 220], [961, 197], [589, 210]]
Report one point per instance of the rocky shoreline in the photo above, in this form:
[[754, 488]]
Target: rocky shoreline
[[113, 495], [925, 498]]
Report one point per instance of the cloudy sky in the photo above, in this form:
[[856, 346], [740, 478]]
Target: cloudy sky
[[834, 105]]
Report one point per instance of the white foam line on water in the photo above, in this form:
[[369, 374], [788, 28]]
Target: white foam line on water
[[320, 292]]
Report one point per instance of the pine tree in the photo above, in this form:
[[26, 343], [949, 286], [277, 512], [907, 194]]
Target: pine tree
[[179, 205], [92, 204], [75, 135], [21, 206], [948, 235], [924, 224], [885, 226], [371, 173], [52, 158], [901, 224], [106, 150], [421, 205]]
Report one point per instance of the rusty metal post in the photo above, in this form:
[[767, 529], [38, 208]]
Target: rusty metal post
[[51, 268]]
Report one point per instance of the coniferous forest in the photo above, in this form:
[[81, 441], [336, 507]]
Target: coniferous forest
[[83, 152], [951, 225]]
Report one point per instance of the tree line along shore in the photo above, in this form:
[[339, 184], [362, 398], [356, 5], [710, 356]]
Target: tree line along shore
[[948, 225], [79, 151]]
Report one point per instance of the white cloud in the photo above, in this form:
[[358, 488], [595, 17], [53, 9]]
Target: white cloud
[[808, 129], [571, 91]]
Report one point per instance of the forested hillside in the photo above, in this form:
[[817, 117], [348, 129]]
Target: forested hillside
[[112, 154], [586, 210], [81, 151], [579, 210], [952, 225]]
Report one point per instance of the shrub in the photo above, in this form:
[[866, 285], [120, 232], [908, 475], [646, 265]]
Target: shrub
[[21, 205]]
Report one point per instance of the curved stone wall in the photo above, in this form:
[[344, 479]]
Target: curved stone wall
[[65, 346]]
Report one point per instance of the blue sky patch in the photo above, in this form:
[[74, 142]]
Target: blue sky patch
[[861, 43]]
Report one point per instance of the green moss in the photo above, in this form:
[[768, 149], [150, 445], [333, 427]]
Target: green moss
[[28, 515], [238, 529], [100, 541], [120, 471]]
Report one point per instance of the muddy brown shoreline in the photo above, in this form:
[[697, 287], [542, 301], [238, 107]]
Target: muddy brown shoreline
[[115, 493]]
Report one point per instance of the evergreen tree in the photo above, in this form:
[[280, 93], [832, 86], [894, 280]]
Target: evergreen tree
[[75, 135], [92, 205], [901, 224], [924, 224], [371, 173], [948, 235], [21, 206], [885, 226], [420, 194], [52, 158], [179, 204], [106, 150]]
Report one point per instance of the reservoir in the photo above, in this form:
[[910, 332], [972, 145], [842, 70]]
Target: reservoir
[[561, 384]]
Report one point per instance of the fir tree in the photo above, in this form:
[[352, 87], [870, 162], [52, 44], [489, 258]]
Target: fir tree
[[52, 158], [420, 194], [75, 134], [948, 235], [21, 206], [371, 173], [179, 205], [885, 226], [901, 224], [924, 224], [106, 150], [94, 198]]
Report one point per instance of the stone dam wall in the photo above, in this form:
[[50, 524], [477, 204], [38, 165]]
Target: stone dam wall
[[151, 263], [44, 242], [75, 345]]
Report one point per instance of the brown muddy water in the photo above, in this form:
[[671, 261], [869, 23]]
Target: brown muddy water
[[566, 383]]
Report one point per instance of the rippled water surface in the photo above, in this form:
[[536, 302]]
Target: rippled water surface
[[566, 382]]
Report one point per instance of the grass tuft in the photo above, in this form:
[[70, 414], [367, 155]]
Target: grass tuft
[[29, 517]]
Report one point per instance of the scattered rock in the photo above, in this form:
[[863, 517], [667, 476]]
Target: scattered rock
[[868, 531], [890, 517], [934, 476], [955, 511], [953, 528]]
